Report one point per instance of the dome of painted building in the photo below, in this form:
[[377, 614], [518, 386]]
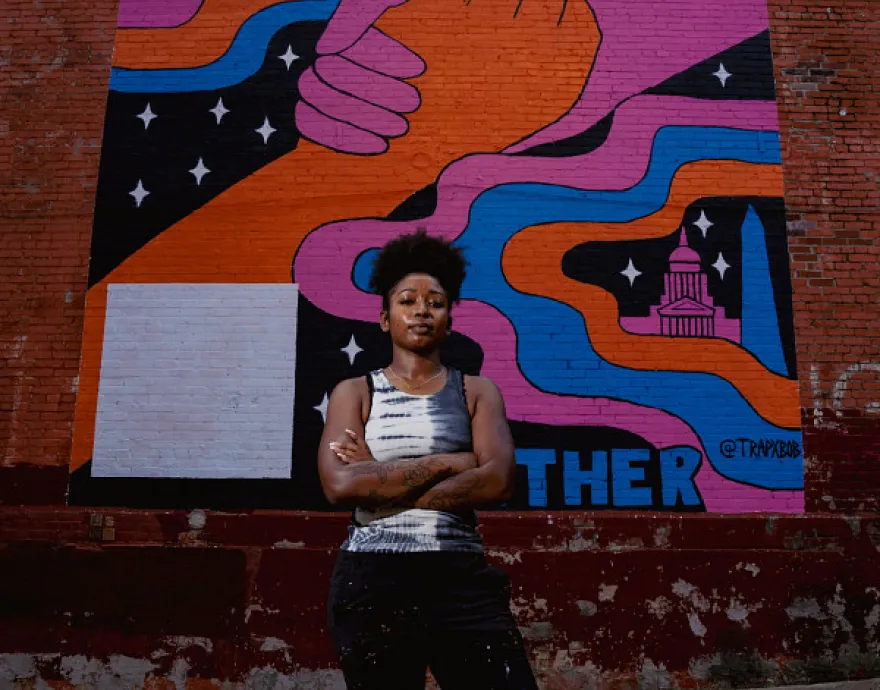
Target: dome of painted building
[[683, 254]]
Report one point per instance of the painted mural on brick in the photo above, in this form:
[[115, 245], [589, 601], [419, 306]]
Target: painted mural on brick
[[612, 168]]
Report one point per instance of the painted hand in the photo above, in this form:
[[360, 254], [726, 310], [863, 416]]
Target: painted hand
[[354, 96]]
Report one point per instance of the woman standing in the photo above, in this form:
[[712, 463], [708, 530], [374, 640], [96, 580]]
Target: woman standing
[[414, 448]]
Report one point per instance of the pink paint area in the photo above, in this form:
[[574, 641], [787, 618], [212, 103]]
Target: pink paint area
[[367, 85], [686, 309], [350, 21], [334, 134], [381, 53], [644, 43], [332, 250], [342, 107], [153, 14]]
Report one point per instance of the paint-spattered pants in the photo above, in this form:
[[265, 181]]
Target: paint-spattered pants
[[394, 615]]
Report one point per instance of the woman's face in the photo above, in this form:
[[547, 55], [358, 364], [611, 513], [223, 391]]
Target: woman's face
[[418, 313]]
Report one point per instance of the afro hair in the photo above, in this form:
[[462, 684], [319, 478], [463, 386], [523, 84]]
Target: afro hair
[[418, 252]]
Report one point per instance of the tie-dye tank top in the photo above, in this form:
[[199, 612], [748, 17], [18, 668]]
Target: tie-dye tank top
[[403, 426]]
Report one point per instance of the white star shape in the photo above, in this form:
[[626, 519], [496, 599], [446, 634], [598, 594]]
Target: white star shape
[[352, 350], [703, 223], [289, 57], [722, 74], [266, 130], [200, 171], [147, 116], [721, 265], [139, 193], [322, 407], [219, 110], [631, 272]]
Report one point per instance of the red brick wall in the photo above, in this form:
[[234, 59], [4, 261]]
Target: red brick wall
[[56, 70], [66, 594], [824, 56]]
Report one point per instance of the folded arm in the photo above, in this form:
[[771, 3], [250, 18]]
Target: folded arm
[[368, 483], [492, 481]]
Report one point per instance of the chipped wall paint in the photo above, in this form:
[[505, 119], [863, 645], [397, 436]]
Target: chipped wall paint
[[238, 608]]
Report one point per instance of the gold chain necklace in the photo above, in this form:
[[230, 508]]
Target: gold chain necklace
[[407, 381]]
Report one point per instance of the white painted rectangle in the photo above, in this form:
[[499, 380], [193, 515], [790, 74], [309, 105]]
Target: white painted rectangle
[[197, 381]]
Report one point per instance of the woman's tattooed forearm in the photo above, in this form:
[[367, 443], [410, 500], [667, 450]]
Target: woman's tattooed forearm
[[416, 473], [453, 497]]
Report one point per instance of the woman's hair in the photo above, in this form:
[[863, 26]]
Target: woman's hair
[[418, 252]]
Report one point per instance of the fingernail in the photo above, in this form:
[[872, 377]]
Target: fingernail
[[349, 431], [333, 444]]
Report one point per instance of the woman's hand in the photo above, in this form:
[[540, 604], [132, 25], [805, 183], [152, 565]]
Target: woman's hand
[[351, 448]]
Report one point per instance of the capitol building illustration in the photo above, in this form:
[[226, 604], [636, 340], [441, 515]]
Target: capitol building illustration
[[686, 309]]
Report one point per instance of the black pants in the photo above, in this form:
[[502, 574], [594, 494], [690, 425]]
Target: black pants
[[394, 615]]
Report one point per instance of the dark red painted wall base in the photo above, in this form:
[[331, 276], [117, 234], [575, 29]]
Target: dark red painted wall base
[[603, 600]]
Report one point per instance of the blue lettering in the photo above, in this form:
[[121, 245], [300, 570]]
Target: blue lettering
[[677, 468], [596, 477], [623, 474], [536, 461]]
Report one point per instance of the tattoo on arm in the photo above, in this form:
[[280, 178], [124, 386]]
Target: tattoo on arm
[[414, 477], [458, 493]]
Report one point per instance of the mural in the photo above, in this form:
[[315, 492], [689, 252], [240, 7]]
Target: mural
[[612, 168]]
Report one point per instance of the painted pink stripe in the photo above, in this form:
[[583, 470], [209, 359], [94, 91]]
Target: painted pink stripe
[[368, 85], [156, 14], [644, 43], [340, 106], [618, 164], [333, 134], [380, 52], [349, 22]]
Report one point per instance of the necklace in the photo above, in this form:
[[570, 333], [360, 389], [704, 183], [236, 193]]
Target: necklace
[[411, 385]]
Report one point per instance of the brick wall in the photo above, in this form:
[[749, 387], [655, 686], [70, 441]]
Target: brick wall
[[823, 55], [56, 67], [254, 607]]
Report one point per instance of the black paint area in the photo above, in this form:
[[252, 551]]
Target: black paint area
[[601, 263], [162, 154], [576, 145], [417, 206], [750, 65]]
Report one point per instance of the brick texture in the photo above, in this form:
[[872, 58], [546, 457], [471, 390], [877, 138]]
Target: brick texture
[[56, 66], [825, 55]]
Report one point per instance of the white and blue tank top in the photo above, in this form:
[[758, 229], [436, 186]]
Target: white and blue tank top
[[404, 426]]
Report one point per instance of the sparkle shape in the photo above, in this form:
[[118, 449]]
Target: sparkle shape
[[721, 265], [266, 130], [199, 171], [219, 110], [147, 116], [352, 350], [703, 223], [139, 193], [722, 74], [322, 407], [289, 57], [631, 272]]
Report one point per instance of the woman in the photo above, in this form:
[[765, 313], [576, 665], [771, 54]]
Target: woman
[[413, 448]]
